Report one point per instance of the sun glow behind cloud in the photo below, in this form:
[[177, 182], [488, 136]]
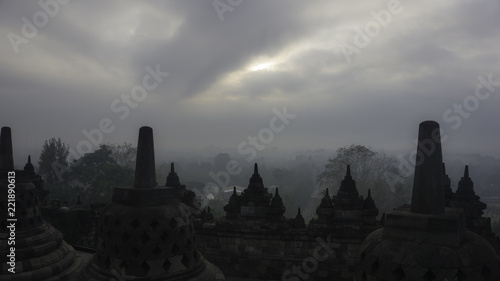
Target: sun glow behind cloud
[[262, 66]]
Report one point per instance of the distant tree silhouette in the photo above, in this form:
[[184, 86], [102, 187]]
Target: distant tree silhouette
[[98, 172], [369, 169], [53, 159], [124, 154]]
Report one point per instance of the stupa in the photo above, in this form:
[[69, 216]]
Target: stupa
[[30, 248], [425, 240], [147, 232]]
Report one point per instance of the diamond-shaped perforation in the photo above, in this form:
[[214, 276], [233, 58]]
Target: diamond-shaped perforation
[[164, 237], [182, 232], [188, 244], [145, 267], [166, 265], [175, 249], [173, 223], [116, 249], [123, 265], [486, 273], [135, 223], [157, 251], [429, 276], [125, 237], [135, 252], [398, 274], [461, 276], [154, 224], [185, 261], [144, 238], [375, 266]]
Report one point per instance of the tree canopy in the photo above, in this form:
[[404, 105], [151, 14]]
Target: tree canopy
[[53, 160], [370, 170]]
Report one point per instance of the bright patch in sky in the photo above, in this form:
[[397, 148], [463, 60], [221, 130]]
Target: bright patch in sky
[[262, 66]]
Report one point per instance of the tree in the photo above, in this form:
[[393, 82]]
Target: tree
[[124, 154], [53, 160], [98, 172], [369, 169], [367, 166]]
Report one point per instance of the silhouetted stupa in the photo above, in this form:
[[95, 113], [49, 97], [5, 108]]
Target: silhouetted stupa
[[40, 252], [146, 233], [426, 241]]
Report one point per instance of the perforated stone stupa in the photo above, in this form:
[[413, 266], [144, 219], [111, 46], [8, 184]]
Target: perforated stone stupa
[[40, 251], [146, 233], [425, 240]]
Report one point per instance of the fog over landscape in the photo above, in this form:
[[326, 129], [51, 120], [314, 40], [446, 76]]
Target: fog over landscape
[[215, 74]]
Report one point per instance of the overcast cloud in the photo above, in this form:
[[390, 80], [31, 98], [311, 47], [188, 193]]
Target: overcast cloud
[[226, 76]]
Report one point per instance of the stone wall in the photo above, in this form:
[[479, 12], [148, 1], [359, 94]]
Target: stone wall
[[78, 225], [274, 254]]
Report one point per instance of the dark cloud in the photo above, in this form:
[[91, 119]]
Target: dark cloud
[[427, 59]]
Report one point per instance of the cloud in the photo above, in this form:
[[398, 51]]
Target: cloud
[[426, 59]]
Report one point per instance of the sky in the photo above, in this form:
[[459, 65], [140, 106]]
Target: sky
[[239, 76]]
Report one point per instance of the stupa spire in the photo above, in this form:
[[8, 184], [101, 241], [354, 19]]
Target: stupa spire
[[428, 195], [348, 186], [256, 178], [145, 171], [326, 202], [369, 203], [172, 178], [6, 155], [29, 168]]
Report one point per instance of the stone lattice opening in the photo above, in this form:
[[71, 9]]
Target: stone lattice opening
[[486, 273], [429, 276], [375, 266], [398, 273], [173, 223], [154, 225]]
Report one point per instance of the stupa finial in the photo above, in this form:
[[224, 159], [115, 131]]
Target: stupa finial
[[145, 170], [6, 155], [428, 196]]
